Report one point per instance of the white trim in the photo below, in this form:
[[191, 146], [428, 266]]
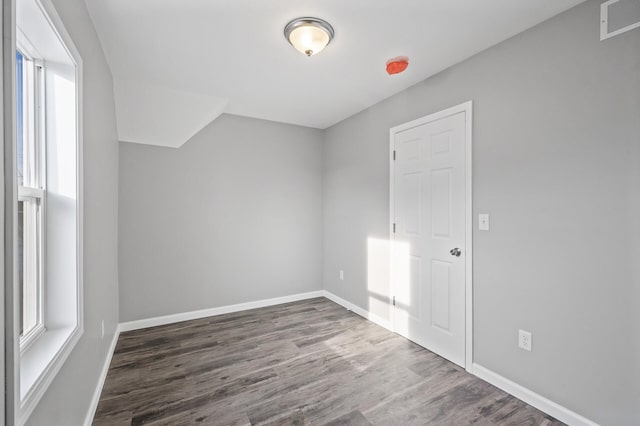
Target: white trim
[[27, 192], [392, 215], [27, 340], [7, 106], [10, 375], [543, 404], [50, 13], [58, 27], [24, 45], [95, 399], [538, 401], [185, 316], [467, 108], [54, 20], [604, 22], [463, 107], [203, 313], [358, 310], [37, 390]]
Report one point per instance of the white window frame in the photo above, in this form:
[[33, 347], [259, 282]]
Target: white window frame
[[52, 347], [26, 340], [36, 191]]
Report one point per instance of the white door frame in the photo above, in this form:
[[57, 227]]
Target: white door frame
[[467, 108]]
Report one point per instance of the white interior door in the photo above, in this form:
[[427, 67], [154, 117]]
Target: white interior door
[[429, 242]]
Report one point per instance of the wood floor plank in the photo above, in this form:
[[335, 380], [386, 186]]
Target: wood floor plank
[[301, 363]]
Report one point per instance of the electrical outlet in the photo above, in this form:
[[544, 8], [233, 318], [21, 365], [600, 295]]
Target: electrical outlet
[[103, 329], [524, 340], [341, 275], [483, 222]]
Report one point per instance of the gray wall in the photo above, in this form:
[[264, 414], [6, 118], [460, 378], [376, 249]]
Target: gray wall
[[556, 159], [67, 399], [232, 216]]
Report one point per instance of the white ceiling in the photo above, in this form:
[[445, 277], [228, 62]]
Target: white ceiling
[[178, 64]]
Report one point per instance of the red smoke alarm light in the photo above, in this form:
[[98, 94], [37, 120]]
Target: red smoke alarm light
[[397, 65]]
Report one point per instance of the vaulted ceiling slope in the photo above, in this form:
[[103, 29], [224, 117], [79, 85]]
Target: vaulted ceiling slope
[[177, 65]]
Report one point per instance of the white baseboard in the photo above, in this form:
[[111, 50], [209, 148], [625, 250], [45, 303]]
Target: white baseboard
[[358, 310], [103, 376], [203, 313], [185, 316], [543, 404], [540, 402]]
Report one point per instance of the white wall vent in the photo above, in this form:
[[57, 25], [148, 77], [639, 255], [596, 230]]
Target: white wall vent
[[618, 16]]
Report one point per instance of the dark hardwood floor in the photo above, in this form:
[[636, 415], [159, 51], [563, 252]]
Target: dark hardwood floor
[[302, 363]]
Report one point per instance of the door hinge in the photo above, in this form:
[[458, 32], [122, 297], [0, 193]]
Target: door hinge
[[394, 301], [394, 228], [394, 155]]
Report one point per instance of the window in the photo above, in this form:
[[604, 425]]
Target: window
[[31, 198], [48, 179]]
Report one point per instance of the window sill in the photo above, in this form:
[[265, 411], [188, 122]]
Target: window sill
[[40, 363], [31, 338]]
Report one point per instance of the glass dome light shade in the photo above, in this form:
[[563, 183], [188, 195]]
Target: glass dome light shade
[[309, 35]]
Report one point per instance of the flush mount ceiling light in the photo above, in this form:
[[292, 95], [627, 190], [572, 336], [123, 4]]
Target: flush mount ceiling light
[[309, 35]]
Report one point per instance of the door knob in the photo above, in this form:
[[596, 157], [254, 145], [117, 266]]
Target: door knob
[[455, 252]]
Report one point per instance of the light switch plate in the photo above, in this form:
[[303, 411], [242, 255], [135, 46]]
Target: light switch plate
[[483, 222]]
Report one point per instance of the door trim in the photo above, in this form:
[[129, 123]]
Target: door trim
[[467, 108]]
